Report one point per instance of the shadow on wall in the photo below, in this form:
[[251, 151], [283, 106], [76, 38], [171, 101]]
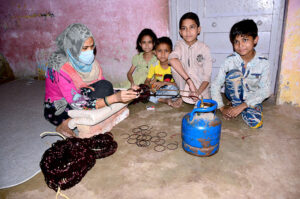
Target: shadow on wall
[[6, 73]]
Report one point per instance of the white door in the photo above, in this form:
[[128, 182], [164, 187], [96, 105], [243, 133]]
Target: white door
[[218, 16]]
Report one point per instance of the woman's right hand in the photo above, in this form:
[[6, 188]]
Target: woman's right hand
[[126, 96]]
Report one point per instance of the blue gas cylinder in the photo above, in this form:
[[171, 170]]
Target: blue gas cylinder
[[201, 129]]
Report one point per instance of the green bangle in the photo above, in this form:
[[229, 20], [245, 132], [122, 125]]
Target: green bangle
[[105, 101]]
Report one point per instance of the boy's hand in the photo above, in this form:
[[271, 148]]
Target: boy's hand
[[235, 111], [157, 85], [152, 81], [232, 112], [153, 90], [225, 113]]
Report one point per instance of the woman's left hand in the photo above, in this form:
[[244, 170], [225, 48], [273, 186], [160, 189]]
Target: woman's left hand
[[126, 96]]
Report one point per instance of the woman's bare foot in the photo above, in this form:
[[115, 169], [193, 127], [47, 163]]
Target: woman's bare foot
[[175, 104], [64, 129]]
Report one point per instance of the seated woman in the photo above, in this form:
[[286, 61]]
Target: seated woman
[[74, 79]]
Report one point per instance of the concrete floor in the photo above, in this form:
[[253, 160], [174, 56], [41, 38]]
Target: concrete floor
[[261, 163]]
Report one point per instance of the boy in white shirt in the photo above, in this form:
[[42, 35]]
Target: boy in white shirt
[[191, 61]]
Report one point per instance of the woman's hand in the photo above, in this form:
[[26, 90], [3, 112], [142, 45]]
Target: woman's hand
[[126, 96]]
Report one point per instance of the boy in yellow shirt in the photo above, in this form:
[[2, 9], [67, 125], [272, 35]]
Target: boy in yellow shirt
[[160, 77]]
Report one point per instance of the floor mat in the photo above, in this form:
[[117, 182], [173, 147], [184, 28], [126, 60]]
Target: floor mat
[[21, 123]]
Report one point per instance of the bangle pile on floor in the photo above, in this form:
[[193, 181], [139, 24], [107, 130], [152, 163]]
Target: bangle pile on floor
[[142, 136], [66, 162]]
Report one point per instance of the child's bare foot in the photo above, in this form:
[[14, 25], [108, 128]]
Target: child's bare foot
[[175, 104], [65, 130]]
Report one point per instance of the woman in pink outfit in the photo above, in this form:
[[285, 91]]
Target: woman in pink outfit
[[74, 79]]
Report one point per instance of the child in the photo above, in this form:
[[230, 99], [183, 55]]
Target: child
[[191, 60], [141, 62], [161, 71], [246, 77]]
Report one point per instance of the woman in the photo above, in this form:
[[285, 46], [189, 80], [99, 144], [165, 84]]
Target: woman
[[74, 79]]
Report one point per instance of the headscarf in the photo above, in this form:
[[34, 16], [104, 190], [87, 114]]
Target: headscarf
[[72, 40]]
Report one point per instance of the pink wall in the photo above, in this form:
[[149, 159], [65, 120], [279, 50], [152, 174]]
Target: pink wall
[[28, 30]]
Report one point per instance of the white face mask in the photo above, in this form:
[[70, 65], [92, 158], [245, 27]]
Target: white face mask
[[87, 57]]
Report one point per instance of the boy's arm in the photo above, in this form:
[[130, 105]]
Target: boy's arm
[[170, 83], [203, 86], [216, 85], [147, 82], [233, 111], [264, 86], [158, 85], [175, 63]]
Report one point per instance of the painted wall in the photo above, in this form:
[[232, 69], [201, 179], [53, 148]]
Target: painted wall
[[289, 80], [29, 28]]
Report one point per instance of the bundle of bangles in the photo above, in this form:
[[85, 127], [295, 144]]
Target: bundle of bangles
[[67, 161]]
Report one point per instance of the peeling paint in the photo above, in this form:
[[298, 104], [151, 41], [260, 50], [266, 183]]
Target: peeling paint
[[48, 14], [289, 91], [196, 151]]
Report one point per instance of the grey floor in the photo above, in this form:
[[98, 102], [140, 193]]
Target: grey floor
[[251, 163]]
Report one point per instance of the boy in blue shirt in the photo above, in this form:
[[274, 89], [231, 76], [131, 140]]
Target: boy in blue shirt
[[246, 76]]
